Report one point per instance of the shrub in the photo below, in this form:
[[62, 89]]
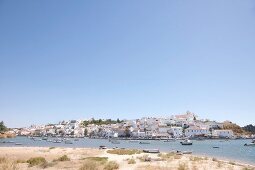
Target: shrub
[[182, 166], [131, 161], [52, 147], [214, 159], [124, 151], [111, 166], [166, 156], [47, 165], [145, 158], [62, 158], [36, 161], [195, 158]]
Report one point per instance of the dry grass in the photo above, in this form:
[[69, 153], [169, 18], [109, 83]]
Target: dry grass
[[62, 159], [101, 160], [131, 161], [167, 155], [182, 166], [90, 165], [144, 158], [6, 164], [196, 159], [112, 165], [124, 151]]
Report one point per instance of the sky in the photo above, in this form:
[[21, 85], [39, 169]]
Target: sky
[[62, 60]]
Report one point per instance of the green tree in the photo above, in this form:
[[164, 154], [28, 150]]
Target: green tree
[[85, 132], [3, 128]]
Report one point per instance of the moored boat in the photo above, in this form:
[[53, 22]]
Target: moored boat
[[68, 142], [250, 144], [102, 147], [144, 142], [186, 142], [151, 151]]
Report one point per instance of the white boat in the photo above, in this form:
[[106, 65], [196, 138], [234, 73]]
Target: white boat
[[144, 142], [57, 141], [186, 142], [151, 151], [250, 144]]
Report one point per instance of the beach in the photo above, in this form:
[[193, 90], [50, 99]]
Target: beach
[[91, 158]]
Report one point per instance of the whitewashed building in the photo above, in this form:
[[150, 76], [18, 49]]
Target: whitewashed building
[[223, 133]]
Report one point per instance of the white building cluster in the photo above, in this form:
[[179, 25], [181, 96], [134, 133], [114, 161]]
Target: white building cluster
[[177, 126]]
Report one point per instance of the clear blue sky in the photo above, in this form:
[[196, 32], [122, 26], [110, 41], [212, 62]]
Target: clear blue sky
[[62, 60]]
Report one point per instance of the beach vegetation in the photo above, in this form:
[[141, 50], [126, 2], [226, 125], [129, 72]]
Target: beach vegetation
[[144, 158], [214, 159], [62, 158], [194, 158], [7, 164], [52, 147], [131, 161], [124, 151], [101, 160], [36, 161], [111, 165], [182, 166], [167, 155]]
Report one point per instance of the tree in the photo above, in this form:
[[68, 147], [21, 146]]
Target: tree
[[118, 120], [127, 132], [3, 128], [85, 132]]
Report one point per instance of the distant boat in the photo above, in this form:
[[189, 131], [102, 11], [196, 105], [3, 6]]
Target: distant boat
[[44, 138], [57, 141], [151, 151], [169, 140], [144, 142], [102, 147], [76, 139], [18, 143], [216, 147], [186, 142], [186, 152], [250, 144]]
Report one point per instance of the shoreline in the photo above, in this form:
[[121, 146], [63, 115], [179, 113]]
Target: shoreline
[[78, 154]]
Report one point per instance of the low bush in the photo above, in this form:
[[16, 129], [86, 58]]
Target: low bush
[[101, 160], [112, 165], [62, 158], [36, 161], [131, 161], [90, 165], [124, 151]]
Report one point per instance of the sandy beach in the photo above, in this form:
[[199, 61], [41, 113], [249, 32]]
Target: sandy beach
[[88, 158]]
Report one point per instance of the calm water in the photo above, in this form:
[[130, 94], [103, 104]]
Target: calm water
[[232, 149]]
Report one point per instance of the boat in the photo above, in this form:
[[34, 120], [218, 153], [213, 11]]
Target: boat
[[76, 139], [8, 141], [18, 143], [57, 141], [186, 142], [151, 151], [44, 138], [49, 140], [68, 142], [169, 140], [187, 152], [144, 142], [102, 147], [216, 147], [250, 144]]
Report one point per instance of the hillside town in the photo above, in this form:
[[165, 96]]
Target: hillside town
[[176, 126]]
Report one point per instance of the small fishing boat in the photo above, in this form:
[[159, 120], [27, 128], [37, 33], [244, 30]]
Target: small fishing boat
[[44, 138], [144, 142], [151, 151], [57, 141], [187, 152], [216, 147], [250, 144], [102, 147], [186, 142]]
